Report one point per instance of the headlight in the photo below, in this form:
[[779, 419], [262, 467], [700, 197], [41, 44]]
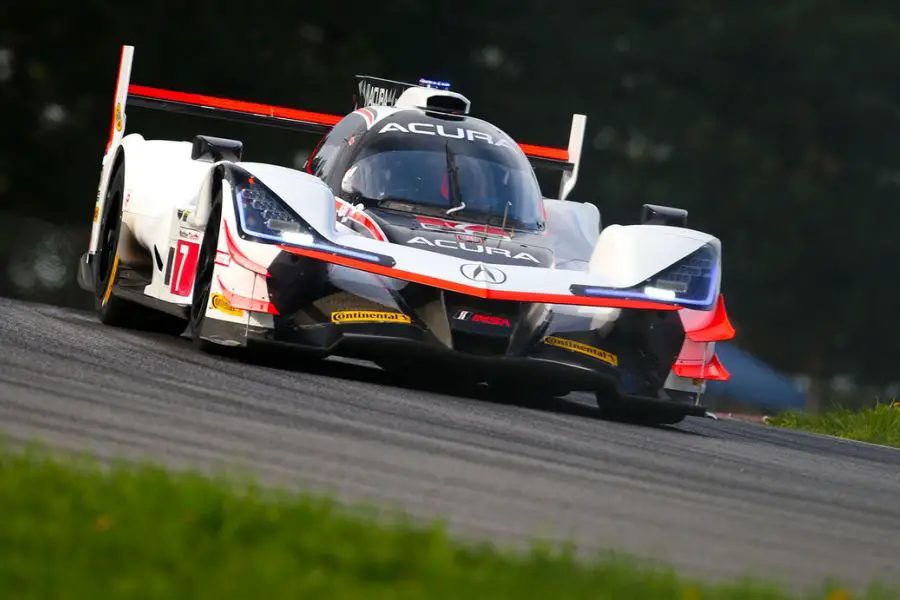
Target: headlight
[[691, 282], [263, 215]]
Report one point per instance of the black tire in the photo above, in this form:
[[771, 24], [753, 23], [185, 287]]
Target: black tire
[[111, 310], [206, 261]]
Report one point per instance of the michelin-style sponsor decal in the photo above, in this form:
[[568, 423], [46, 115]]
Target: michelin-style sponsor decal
[[369, 316], [607, 357], [221, 304], [449, 131], [191, 235], [470, 247], [119, 120]]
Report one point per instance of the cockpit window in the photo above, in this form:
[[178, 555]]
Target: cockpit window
[[469, 180]]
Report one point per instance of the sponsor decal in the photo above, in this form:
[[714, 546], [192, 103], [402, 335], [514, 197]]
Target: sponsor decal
[[483, 273], [373, 94], [449, 131], [96, 212], [607, 357], [191, 235], [119, 121], [221, 304], [369, 316], [474, 317], [476, 248]]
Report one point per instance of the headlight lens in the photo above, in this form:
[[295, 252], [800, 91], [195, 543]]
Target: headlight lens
[[263, 215], [691, 282]]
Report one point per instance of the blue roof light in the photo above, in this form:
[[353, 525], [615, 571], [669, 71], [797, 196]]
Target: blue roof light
[[431, 83]]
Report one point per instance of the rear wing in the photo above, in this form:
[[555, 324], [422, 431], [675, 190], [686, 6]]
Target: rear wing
[[129, 95]]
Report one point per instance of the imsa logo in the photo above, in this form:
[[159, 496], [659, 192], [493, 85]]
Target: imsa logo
[[369, 316]]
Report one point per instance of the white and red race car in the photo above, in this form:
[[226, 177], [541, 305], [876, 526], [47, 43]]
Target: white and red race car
[[416, 233]]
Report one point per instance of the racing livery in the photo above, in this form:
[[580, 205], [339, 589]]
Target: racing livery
[[416, 235]]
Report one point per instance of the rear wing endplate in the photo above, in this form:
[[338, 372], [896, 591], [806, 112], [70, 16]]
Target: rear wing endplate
[[129, 95]]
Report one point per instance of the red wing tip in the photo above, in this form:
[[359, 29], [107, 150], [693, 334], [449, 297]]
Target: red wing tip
[[714, 370], [718, 330], [533, 151]]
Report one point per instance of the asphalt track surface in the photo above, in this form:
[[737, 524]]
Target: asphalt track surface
[[718, 499]]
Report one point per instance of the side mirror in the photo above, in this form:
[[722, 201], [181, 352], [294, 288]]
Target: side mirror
[[213, 149], [652, 214]]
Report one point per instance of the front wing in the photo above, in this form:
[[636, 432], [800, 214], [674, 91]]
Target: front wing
[[310, 299]]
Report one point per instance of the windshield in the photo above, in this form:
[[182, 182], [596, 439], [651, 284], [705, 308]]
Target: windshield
[[474, 181]]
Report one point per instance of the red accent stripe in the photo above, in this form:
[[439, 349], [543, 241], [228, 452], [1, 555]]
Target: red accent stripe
[[244, 303], [112, 126], [252, 108], [223, 258], [719, 329], [367, 114], [346, 209], [369, 224], [711, 371], [472, 290], [241, 258], [560, 154]]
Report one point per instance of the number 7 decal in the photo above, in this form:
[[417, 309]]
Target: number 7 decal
[[185, 270]]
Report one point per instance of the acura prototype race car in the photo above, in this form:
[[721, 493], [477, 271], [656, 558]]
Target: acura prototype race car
[[416, 234]]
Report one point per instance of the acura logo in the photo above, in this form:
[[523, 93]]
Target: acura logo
[[483, 273]]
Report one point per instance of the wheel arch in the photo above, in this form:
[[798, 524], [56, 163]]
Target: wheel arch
[[212, 184], [129, 250]]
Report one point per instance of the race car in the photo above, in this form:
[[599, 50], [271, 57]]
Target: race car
[[417, 236]]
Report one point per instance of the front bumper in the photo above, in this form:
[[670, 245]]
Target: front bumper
[[541, 366], [466, 337]]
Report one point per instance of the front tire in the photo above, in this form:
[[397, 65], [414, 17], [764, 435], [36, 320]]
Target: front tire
[[112, 310], [206, 266]]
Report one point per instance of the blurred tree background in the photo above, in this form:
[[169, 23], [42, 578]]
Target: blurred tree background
[[774, 123]]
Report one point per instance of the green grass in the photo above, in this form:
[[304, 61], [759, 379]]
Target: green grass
[[81, 531], [877, 425]]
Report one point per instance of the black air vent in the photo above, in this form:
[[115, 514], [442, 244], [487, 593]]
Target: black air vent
[[447, 105]]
